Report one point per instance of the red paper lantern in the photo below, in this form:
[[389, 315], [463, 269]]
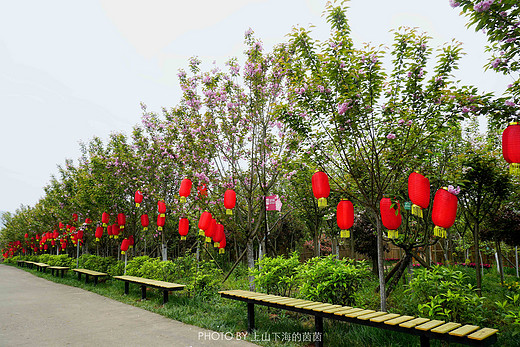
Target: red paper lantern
[[390, 219], [105, 218], [210, 231], [99, 233], [75, 217], [230, 200], [160, 222], [26, 235], [219, 235], [345, 217], [109, 231], [138, 198], [205, 219], [55, 234], [161, 206], [145, 221], [222, 245], [124, 246], [320, 187], [80, 234], [60, 225], [121, 220], [184, 227], [444, 211], [185, 189], [418, 192], [511, 147], [115, 230], [131, 241]]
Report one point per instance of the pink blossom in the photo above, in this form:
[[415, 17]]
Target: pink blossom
[[390, 136]]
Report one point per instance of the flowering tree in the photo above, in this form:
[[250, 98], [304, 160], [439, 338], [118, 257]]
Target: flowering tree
[[367, 129], [500, 21]]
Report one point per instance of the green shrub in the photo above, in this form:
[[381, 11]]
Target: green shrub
[[117, 268], [330, 280], [444, 293], [133, 267], [61, 260], [44, 258], [204, 281], [276, 275]]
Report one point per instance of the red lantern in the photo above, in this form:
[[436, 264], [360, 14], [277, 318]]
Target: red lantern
[[105, 218], [138, 198], [390, 218], [121, 220], [124, 246], [320, 187], [109, 231], [26, 235], [55, 234], [160, 222], [444, 211], [80, 234], [115, 230], [184, 227], [185, 189], [219, 235], [99, 233], [210, 231], [60, 225], [222, 245], [205, 219], [131, 241], [230, 200], [203, 191], [418, 192], [511, 147], [145, 221], [161, 206], [345, 217], [75, 217]]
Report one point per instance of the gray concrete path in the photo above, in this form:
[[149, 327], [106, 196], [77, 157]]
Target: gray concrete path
[[37, 312]]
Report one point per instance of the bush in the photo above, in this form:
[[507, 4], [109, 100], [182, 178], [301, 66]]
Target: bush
[[133, 267], [116, 269], [276, 275], [327, 279], [61, 260], [445, 293]]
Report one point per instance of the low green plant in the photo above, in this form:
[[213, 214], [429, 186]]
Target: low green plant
[[327, 279], [277, 275]]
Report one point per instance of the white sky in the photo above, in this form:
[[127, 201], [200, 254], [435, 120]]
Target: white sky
[[70, 70]]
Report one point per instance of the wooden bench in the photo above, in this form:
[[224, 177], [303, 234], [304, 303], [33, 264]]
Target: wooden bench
[[58, 269], [425, 328], [87, 273], [145, 282], [42, 267], [28, 264], [20, 263]]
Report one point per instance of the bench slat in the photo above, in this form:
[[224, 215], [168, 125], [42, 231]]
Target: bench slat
[[325, 307], [336, 309], [307, 304], [482, 334], [371, 315], [443, 329], [358, 313], [399, 320], [414, 322], [351, 310], [429, 325], [385, 317], [464, 330], [153, 283]]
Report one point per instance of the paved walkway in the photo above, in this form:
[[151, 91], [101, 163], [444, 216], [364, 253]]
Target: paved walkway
[[37, 312]]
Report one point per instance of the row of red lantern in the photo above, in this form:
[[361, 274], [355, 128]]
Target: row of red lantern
[[443, 212], [209, 228]]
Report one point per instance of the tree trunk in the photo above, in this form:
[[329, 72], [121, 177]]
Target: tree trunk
[[251, 262], [477, 260], [381, 263]]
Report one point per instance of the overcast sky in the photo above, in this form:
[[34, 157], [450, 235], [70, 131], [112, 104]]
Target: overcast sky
[[70, 70]]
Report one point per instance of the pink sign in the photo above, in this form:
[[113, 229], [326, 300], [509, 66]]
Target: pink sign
[[273, 203]]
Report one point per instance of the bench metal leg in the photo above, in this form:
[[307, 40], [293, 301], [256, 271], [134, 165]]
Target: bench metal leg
[[86, 278], [126, 288], [165, 297], [425, 341], [79, 276], [250, 317], [318, 326], [62, 273], [95, 280], [143, 292]]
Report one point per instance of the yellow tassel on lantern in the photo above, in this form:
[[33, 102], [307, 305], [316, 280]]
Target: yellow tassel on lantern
[[159, 228], [216, 245], [116, 236], [514, 169], [208, 239], [122, 252], [145, 228], [162, 215], [439, 232], [201, 232], [322, 202], [137, 204], [392, 234], [97, 238], [417, 210], [221, 251], [104, 225], [345, 234], [229, 211], [122, 227], [183, 199], [183, 238]]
